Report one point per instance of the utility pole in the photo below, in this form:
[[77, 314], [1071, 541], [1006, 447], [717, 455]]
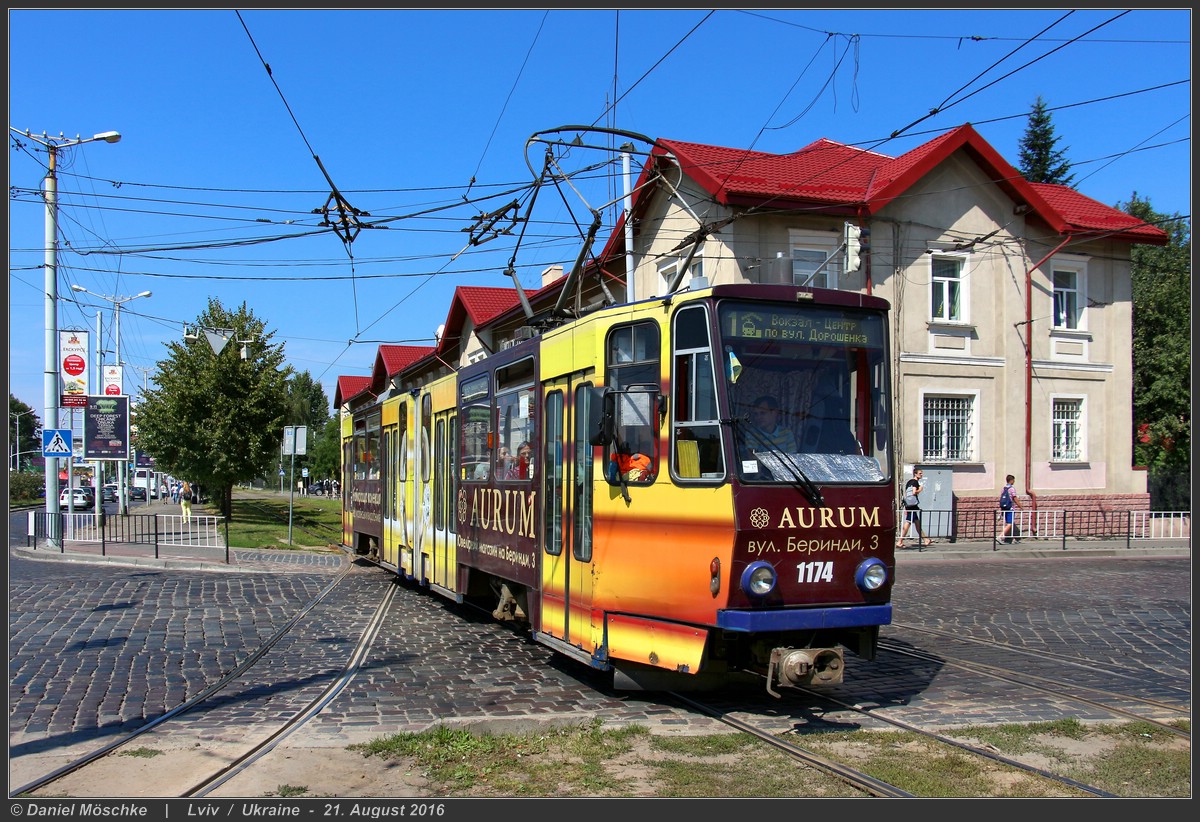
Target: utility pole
[[50, 397]]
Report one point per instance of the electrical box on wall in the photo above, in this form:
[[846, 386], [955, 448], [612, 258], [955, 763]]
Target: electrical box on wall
[[937, 500]]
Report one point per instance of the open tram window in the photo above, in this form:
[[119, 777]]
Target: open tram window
[[632, 363], [695, 423]]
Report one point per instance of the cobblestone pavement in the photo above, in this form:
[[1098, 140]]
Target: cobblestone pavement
[[98, 647]]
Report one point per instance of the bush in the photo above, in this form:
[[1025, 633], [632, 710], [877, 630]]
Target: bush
[[25, 486]]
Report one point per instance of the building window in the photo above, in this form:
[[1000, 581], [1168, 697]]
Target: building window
[[810, 270], [809, 253], [948, 428], [946, 293], [666, 273], [1067, 429], [1068, 305]]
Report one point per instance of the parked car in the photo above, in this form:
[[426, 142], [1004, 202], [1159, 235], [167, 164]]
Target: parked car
[[85, 500], [109, 492], [137, 492]]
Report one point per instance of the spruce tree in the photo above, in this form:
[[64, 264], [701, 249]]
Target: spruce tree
[[1041, 162]]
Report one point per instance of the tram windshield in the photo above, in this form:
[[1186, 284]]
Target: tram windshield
[[808, 391]]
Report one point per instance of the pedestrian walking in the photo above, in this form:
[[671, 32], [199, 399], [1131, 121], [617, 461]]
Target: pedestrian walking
[[185, 502], [912, 509], [1008, 503]]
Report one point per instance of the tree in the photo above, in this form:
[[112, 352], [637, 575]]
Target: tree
[[1041, 162], [308, 406], [1161, 279], [326, 455], [214, 418], [22, 418]]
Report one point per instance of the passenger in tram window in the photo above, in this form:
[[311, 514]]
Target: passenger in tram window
[[523, 467]]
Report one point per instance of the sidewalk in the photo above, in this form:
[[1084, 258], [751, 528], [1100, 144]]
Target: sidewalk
[[1045, 549]]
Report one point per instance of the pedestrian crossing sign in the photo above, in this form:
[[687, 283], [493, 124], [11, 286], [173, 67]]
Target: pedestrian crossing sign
[[56, 442]]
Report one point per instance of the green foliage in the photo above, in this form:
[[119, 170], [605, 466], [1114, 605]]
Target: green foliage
[[215, 418], [21, 416], [1041, 162], [326, 453], [24, 486], [1162, 357], [308, 405]]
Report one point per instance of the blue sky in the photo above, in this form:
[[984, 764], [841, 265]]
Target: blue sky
[[213, 187]]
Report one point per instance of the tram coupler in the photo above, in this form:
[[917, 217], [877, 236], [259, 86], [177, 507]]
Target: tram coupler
[[792, 667]]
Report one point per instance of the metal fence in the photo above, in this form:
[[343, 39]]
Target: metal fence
[[1058, 525], [201, 537]]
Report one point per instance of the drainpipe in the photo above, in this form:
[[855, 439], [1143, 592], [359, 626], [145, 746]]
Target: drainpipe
[[1028, 323], [866, 258]]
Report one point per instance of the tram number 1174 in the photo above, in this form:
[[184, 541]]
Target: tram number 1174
[[815, 571]]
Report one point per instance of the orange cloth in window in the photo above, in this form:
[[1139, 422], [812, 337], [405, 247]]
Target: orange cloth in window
[[633, 467]]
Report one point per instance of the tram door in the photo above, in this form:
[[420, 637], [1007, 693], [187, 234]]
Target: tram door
[[567, 573], [445, 469], [422, 508]]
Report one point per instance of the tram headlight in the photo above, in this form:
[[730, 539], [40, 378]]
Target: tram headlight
[[871, 574], [759, 579]]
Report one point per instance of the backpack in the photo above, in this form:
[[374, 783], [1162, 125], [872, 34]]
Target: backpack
[[1006, 502], [187, 496]]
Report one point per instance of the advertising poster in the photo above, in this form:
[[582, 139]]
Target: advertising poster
[[106, 428], [73, 368], [112, 381]]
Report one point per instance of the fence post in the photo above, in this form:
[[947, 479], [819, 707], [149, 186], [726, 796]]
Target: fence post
[[227, 532], [156, 536], [1129, 529]]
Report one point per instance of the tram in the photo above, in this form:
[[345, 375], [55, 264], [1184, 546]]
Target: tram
[[608, 485]]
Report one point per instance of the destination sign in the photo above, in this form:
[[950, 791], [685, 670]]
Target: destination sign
[[815, 327]]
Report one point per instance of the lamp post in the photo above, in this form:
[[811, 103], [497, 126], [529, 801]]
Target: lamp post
[[17, 439], [50, 398], [123, 465]]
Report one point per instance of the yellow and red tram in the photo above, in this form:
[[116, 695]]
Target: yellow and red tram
[[605, 484]]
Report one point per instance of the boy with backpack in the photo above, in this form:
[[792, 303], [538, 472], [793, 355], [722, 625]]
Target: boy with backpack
[[1008, 502]]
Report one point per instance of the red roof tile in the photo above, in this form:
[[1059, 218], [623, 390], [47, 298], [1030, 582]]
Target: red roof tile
[[837, 178], [349, 387]]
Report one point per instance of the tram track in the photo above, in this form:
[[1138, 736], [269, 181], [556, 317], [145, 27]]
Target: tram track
[[860, 779], [231, 711], [1041, 654], [1054, 687]]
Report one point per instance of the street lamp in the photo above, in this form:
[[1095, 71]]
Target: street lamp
[[122, 466], [17, 439], [50, 396]]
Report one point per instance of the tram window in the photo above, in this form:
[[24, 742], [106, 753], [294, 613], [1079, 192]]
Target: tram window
[[695, 423], [402, 445], [476, 429], [515, 455], [634, 457], [633, 355], [581, 514], [515, 429], [553, 495], [426, 436], [439, 516], [451, 471]]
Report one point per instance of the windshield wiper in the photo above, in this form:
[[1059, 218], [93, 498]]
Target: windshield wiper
[[798, 478]]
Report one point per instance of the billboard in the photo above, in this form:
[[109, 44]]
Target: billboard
[[106, 428], [73, 368]]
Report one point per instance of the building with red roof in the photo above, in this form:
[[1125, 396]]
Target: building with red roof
[[1012, 304]]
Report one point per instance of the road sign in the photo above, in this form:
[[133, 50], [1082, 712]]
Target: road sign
[[56, 442]]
